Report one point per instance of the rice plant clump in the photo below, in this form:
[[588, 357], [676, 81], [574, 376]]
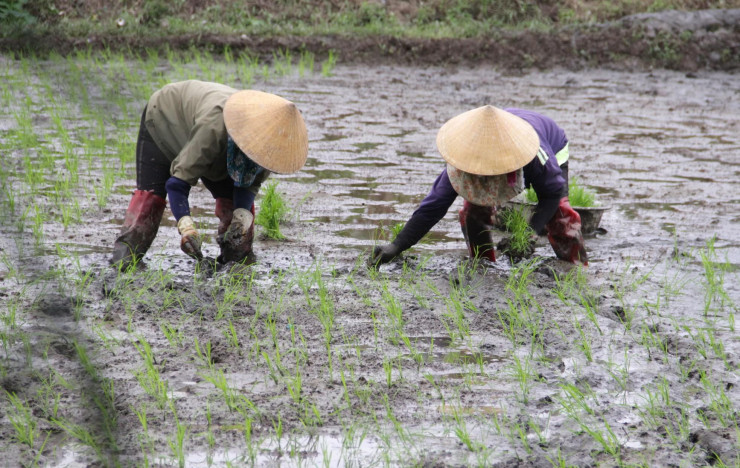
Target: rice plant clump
[[519, 244], [272, 211], [578, 195], [530, 195]]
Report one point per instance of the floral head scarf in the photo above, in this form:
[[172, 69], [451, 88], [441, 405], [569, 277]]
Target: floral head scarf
[[241, 169]]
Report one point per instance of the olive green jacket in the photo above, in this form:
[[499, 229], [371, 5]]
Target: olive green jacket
[[186, 121]]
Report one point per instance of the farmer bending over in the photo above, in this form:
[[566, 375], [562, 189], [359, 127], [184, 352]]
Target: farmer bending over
[[229, 139], [492, 154]]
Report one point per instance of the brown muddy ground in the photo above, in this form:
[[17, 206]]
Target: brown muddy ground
[[660, 148]]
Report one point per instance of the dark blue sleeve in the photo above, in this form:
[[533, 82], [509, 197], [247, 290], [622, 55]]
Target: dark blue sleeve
[[558, 140], [549, 185], [178, 191], [244, 197], [546, 179], [554, 135], [433, 208], [549, 132]]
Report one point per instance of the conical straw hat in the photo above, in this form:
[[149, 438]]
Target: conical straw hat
[[268, 129], [487, 141]]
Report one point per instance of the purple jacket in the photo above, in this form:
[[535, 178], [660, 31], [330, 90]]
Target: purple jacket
[[546, 179]]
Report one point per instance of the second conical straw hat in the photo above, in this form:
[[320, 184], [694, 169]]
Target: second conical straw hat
[[487, 141], [268, 129]]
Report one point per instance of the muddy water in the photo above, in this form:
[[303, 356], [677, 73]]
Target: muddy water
[[660, 155], [661, 150]]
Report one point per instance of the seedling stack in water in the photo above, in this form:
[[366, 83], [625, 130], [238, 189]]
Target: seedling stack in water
[[272, 211], [519, 244], [578, 195]]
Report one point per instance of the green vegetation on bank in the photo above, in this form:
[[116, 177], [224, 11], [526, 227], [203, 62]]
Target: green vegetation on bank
[[433, 18]]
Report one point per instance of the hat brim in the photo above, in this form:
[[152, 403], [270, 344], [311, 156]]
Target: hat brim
[[487, 141], [267, 128]]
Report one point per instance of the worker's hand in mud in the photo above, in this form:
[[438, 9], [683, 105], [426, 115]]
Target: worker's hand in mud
[[239, 229], [582, 256], [236, 243], [384, 254], [190, 241]]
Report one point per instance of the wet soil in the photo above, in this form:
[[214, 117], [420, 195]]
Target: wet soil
[[659, 147]]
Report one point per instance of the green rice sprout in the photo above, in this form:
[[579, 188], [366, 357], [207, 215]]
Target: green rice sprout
[[578, 195], [327, 66], [516, 223], [530, 195], [22, 419], [305, 63], [272, 211]]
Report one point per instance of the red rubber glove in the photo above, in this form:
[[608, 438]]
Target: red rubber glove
[[564, 234]]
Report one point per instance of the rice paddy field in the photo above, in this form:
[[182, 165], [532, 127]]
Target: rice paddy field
[[308, 357]]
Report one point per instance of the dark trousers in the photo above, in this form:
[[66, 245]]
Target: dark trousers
[[153, 168]]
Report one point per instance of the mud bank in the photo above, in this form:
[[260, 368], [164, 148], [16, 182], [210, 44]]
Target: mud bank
[[679, 40], [307, 358]]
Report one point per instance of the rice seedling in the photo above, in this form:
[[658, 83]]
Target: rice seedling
[[305, 63], [520, 243], [620, 374], [203, 353], [25, 136], [606, 438], [282, 62], [177, 442], [394, 312], [145, 441], [559, 460], [81, 434], [294, 384], [463, 434], [522, 311], [583, 342], [714, 275], [22, 419], [149, 378], [578, 195], [272, 212], [327, 66], [720, 404], [37, 228], [232, 338], [48, 397], [173, 334], [524, 375], [8, 198]]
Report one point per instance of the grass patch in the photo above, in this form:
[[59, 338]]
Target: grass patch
[[434, 18]]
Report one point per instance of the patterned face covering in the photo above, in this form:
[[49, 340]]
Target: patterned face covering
[[486, 190], [241, 169]]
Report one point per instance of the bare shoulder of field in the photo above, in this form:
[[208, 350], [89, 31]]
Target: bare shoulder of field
[[681, 40]]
